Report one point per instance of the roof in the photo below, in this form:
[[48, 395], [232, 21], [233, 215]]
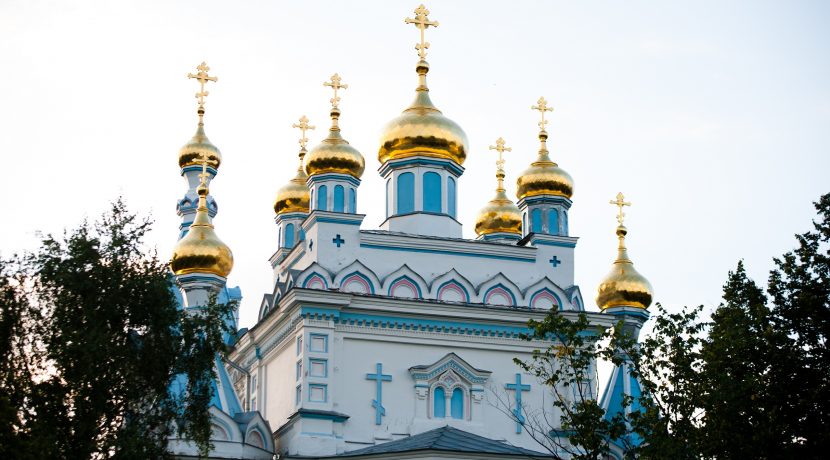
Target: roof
[[445, 439]]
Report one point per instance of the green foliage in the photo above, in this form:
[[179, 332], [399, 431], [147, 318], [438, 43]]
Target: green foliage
[[95, 338]]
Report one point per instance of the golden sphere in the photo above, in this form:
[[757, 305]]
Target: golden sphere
[[544, 177], [334, 155], [293, 196], [201, 251], [199, 144], [624, 286], [500, 215]]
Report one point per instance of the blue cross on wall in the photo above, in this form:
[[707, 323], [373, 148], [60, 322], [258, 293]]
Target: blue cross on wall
[[310, 245], [555, 262], [379, 377], [518, 387], [338, 241]]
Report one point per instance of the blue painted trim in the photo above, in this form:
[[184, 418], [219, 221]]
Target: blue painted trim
[[501, 236], [334, 220], [453, 327], [453, 281], [332, 417], [558, 300], [325, 342], [546, 199], [311, 275], [509, 291], [334, 176], [396, 164], [518, 388], [641, 313], [325, 392], [379, 377], [392, 284], [325, 363], [440, 251], [290, 215], [198, 168], [560, 244]]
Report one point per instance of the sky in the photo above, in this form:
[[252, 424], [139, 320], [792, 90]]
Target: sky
[[712, 117]]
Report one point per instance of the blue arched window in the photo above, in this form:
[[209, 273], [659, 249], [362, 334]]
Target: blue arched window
[[536, 221], [352, 201], [457, 403], [553, 222], [451, 196], [565, 223], [406, 193], [323, 198], [338, 198], [289, 236], [302, 234], [432, 192], [439, 403]]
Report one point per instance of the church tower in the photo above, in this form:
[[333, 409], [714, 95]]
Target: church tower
[[544, 189], [421, 153], [293, 199], [624, 294], [500, 220]]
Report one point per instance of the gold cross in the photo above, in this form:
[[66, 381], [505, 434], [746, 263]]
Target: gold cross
[[335, 85], [499, 147], [620, 202], [203, 176], [203, 77], [542, 107], [303, 125], [422, 22]]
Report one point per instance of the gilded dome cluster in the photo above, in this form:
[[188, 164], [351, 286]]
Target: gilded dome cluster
[[422, 130]]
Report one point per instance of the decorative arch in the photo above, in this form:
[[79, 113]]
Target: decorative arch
[[357, 278], [499, 290], [545, 299], [452, 287], [255, 439], [404, 282], [314, 277], [543, 294], [256, 432]]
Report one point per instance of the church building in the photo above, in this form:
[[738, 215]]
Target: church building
[[397, 341]]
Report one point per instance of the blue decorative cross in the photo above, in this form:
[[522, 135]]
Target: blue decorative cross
[[377, 403], [338, 241], [555, 262], [310, 245], [518, 387]]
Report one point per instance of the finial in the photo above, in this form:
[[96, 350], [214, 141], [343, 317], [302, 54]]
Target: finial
[[542, 107], [202, 190], [303, 126], [422, 22], [335, 85], [620, 202], [203, 77], [499, 147]]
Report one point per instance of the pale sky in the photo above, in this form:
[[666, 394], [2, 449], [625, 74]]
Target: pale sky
[[712, 117]]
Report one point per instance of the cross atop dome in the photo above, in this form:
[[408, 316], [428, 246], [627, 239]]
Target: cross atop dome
[[422, 22], [334, 83], [620, 202], [202, 77], [499, 147], [542, 107], [303, 126]]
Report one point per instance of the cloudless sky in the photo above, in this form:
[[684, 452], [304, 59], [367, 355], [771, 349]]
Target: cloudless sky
[[712, 117]]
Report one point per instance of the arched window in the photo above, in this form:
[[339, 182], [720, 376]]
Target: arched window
[[565, 223], [338, 198], [352, 201], [553, 222], [406, 193], [289, 236], [439, 403], [432, 192], [323, 198], [302, 234], [451, 196], [536, 221], [457, 404]]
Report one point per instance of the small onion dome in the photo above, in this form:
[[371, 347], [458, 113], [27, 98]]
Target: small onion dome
[[295, 195], [201, 251], [500, 215], [544, 177], [199, 145], [422, 130], [624, 286], [334, 154]]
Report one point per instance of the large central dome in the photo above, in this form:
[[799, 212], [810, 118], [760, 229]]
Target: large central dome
[[422, 130]]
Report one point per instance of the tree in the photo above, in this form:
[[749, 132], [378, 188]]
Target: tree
[[92, 379]]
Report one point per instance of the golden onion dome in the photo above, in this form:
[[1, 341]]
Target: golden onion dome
[[624, 286], [295, 195], [422, 130], [500, 215], [199, 146], [201, 251], [544, 177], [334, 154]]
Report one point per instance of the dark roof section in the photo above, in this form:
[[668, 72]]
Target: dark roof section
[[446, 439]]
